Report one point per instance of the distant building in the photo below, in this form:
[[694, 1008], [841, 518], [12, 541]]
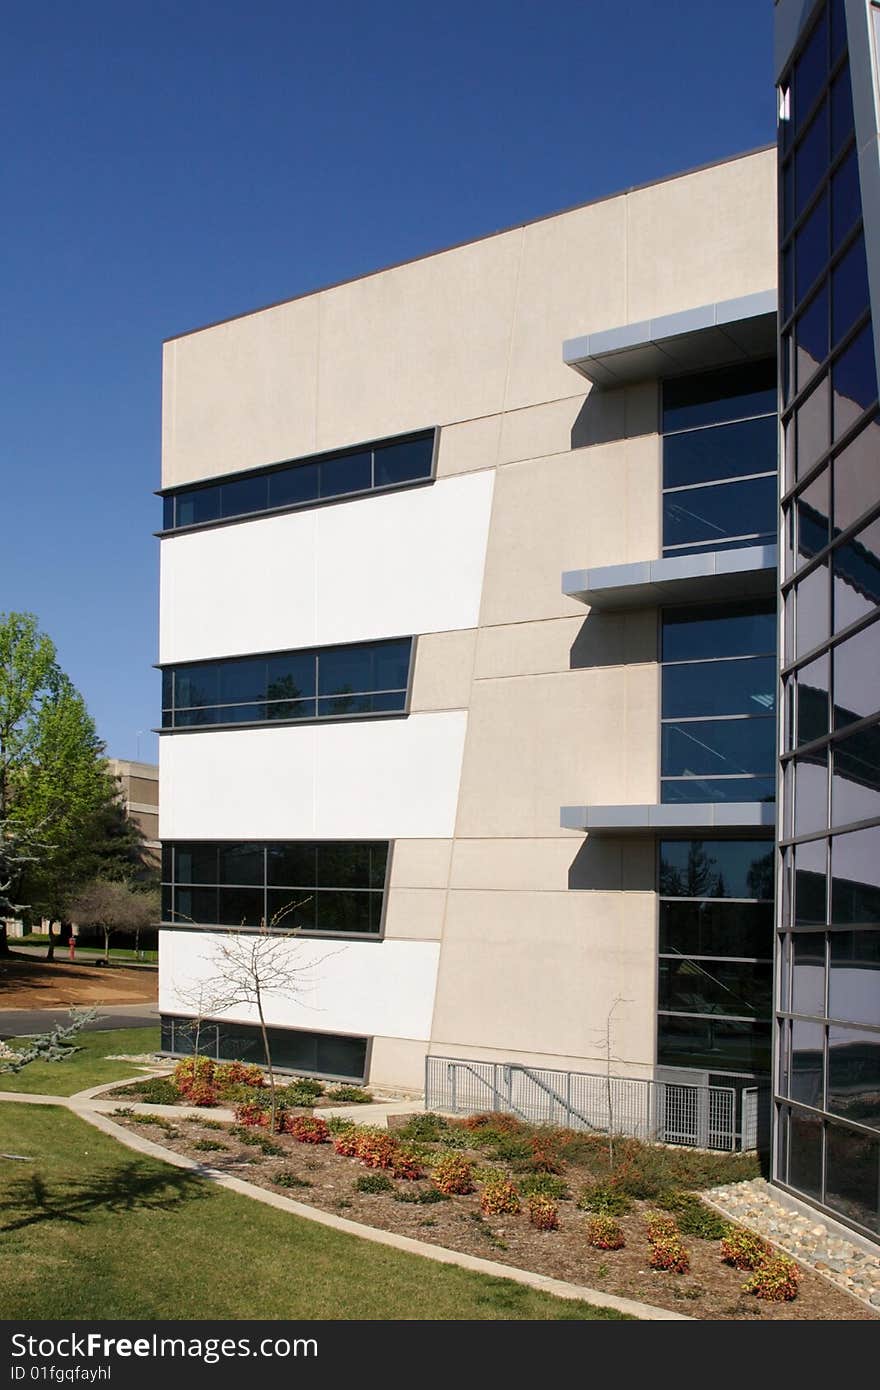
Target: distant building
[[139, 783]]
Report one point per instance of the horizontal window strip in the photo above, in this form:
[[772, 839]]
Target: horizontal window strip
[[291, 485], [366, 678], [325, 886]]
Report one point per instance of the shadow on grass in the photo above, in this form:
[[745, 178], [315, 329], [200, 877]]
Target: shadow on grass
[[129, 1188]]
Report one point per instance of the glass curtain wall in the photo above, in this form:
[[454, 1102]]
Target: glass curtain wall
[[827, 1145], [715, 969]]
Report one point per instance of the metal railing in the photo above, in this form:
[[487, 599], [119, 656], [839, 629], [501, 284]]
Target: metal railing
[[663, 1112]]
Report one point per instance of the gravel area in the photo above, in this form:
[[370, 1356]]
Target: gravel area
[[809, 1239]]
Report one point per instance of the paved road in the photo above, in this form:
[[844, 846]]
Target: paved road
[[17, 1023]]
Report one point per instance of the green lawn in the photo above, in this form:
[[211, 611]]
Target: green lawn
[[89, 1229], [116, 952], [85, 1068]]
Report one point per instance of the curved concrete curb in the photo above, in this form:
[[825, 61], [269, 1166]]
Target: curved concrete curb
[[558, 1287]]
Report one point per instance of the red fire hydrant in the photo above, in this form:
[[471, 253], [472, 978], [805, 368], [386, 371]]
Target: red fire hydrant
[[72, 944]]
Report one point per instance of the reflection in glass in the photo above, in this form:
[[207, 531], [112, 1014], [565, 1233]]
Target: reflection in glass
[[812, 427], [716, 869], [856, 576], [812, 699], [807, 1062], [725, 451], [812, 337], [811, 793], [857, 676], [716, 928], [813, 610], [693, 634], [855, 477], [707, 516], [854, 988], [703, 688], [855, 885], [808, 973], [852, 1175], [854, 380]]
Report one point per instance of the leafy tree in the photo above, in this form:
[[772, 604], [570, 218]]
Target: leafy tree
[[113, 905], [55, 785]]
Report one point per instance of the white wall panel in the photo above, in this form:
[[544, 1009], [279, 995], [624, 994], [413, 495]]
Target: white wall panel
[[367, 987], [374, 779], [407, 562]]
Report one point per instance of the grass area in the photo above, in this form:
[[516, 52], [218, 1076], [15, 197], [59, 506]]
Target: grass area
[[85, 1068], [92, 1230], [116, 952]]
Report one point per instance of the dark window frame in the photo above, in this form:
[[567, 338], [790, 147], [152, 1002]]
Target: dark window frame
[[315, 718], [431, 435]]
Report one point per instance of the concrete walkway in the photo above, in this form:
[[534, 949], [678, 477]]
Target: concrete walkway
[[86, 1106]]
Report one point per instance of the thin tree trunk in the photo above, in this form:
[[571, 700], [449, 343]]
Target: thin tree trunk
[[4, 941], [50, 949], [268, 1057], [106, 946]]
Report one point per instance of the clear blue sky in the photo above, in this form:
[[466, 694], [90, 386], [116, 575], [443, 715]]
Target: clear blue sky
[[168, 164]]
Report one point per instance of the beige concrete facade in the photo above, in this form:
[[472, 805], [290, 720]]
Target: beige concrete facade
[[541, 929]]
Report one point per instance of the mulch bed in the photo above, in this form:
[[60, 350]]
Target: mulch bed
[[29, 983], [711, 1289]]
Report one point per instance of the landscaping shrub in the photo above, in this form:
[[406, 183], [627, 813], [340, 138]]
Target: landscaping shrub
[[256, 1139], [353, 1095], [158, 1120], [407, 1164], [660, 1225], [374, 1182], [286, 1179], [375, 1148], [453, 1175], [192, 1070], [546, 1156], [430, 1128], [693, 1216], [605, 1200], [228, 1074], [308, 1086], [203, 1122], [603, 1233], [299, 1095], [153, 1090], [201, 1093], [744, 1250], [307, 1129], [543, 1213], [544, 1185], [345, 1139], [499, 1196], [424, 1196], [668, 1253], [207, 1145], [252, 1113], [777, 1280]]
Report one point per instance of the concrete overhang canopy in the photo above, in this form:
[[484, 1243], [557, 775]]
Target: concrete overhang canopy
[[749, 572], [694, 818], [712, 335]]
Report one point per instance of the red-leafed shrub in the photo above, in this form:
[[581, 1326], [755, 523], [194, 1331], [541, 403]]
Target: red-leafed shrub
[[307, 1129], [407, 1165], [777, 1280], [237, 1074], [376, 1148], [543, 1213], [192, 1071], [345, 1142], [603, 1233], [499, 1197], [546, 1157], [668, 1253], [661, 1225], [745, 1250], [453, 1175], [202, 1093], [252, 1113]]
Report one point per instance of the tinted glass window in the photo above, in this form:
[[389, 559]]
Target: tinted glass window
[[712, 987], [854, 987], [716, 1044], [855, 477], [696, 790], [696, 456], [857, 676], [712, 928], [707, 516], [290, 487], [716, 868], [812, 700], [849, 289], [854, 380], [854, 1074], [841, 110], [812, 337], [244, 495], [298, 484], [406, 462], [852, 1175], [810, 71], [349, 473], [703, 688], [369, 678], [846, 199], [811, 248], [694, 633], [719, 747], [811, 158], [808, 973], [855, 886], [713, 397]]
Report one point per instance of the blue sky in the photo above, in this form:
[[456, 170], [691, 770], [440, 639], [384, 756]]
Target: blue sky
[[169, 164]]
